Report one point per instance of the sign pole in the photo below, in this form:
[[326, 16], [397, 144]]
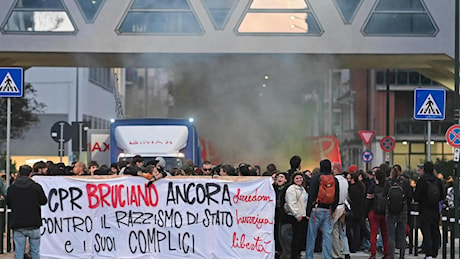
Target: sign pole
[[11, 85], [428, 148], [457, 106], [80, 137], [61, 142], [8, 137]]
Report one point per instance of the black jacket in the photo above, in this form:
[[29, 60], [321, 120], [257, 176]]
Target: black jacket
[[421, 192], [357, 196], [24, 198]]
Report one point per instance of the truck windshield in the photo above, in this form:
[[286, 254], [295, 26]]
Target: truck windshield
[[171, 162]]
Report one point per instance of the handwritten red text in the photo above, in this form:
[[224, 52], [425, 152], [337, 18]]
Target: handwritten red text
[[250, 198], [256, 245], [255, 220]]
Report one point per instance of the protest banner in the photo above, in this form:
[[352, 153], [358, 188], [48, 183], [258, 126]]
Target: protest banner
[[120, 217]]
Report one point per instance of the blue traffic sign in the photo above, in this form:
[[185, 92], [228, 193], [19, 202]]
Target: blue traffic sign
[[11, 82], [429, 104], [367, 156]]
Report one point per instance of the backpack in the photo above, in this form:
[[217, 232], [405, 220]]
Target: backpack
[[396, 198], [326, 192], [433, 193], [380, 202]]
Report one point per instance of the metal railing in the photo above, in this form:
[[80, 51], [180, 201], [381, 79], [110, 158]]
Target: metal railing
[[4, 229]]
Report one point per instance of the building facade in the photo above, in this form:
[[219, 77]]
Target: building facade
[[361, 105], [70, 95]]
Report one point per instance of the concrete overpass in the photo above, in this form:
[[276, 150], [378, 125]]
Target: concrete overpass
[[410, 34]]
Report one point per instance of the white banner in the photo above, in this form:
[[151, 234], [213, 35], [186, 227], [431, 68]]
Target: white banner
[[121, 217]]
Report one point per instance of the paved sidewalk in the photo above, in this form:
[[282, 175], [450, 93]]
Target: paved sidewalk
[[357, 255]]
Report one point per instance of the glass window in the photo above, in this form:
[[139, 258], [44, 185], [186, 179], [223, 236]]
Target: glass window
[[392, 23], [160, 22], [41, 4], [276, 4], [401, 78], [380, 77], [280, 17], [160, 4], [40, 21], [416, 159], [89, 8], [424, 80], [448, 157], [160, 16], [418, 148], [219, 11], [401, 159], [395, 17], [436, 148], [400, 147], [414, 78], [448, 149], [347, 9], [102, 77], [280, 22], [399, 5], [49, 16]]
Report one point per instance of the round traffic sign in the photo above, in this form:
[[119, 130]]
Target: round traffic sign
[[367, 156], [61, 127], [453, 136], [387, 144]]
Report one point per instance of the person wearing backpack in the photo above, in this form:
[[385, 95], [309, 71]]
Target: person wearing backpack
[[398, 192], [428, 193], [322, 201], [377, 206]]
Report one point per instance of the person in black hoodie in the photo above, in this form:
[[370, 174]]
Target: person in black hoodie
[[429, 209], [357, 198], [24, 198], [294, 162], [320, 215], [283, 228]]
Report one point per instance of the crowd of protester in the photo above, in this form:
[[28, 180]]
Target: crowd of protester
[[359, 216], [364, 215]]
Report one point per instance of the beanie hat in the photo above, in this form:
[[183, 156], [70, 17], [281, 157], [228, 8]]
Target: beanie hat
[[325, 166], [352, 168]]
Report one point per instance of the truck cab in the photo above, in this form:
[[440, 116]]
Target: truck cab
[[176, 140]]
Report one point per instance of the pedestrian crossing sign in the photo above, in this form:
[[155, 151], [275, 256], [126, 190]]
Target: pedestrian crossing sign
[[429, 104], [11, 82]]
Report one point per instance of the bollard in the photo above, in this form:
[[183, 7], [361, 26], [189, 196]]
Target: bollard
[[445, 230], [8, 233], [411, 225], [451, 220], [2, 223], [415, 213]]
